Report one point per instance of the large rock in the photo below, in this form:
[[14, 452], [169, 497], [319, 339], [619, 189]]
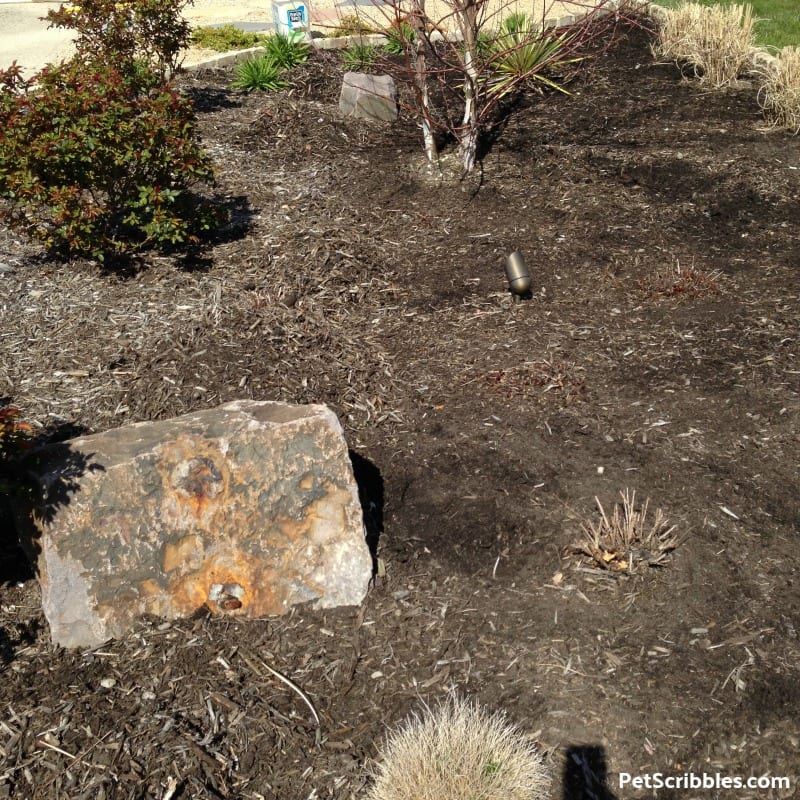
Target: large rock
[[247, 509], [371, 97]]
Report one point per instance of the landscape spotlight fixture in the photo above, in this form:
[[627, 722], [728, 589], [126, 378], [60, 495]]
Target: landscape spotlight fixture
[[519, 281]]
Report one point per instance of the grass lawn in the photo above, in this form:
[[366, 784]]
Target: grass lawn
[[778, 20]]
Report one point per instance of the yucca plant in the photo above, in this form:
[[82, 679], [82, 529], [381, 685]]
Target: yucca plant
[[287, 51], [522, 54], [259, 73], [360, 57]]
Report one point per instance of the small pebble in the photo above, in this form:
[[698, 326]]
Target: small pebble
[[108, 683]]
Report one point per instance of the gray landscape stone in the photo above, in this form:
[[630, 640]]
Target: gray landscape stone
[[246, 509], [370, 97]]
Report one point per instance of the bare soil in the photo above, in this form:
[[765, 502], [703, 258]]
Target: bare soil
[[658, 353]]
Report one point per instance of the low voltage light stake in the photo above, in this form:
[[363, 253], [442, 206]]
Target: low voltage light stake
[[519, 281]]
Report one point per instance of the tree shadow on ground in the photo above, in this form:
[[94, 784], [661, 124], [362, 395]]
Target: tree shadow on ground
[[586, 774], [211, 98], [40, 481]]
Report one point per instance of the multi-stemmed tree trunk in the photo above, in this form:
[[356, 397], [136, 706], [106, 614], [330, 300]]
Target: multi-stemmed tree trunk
[[421, 81], [486, 62], [466, 14]]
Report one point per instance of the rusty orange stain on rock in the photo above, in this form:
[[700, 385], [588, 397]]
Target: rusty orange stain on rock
[[195, 477], [186, 552], [262, 588], [149, 588], [192, 590]]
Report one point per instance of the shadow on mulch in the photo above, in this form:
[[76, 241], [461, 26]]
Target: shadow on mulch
[[211, 98], [233, 215], [370, 494], [586, 774], [47, 455]]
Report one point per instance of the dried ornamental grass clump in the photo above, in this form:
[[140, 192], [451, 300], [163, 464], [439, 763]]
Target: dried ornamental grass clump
[[779, 95], [626, 540], [459, 751], [716, 41]]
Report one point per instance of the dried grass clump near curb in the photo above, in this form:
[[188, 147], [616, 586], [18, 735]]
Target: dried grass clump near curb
[[716, 41], [459, 751], [779, 94], [627, 540]]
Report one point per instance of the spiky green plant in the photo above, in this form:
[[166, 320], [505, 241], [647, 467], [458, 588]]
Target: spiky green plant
[[360, 57], [259, 73], [521, 54], [399, 36], [287, 50]]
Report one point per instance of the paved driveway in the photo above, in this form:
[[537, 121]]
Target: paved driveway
[[24, 38]]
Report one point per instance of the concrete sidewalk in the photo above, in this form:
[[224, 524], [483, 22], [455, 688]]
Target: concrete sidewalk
[[26, 39]]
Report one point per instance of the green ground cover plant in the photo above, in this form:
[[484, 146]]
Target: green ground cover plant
[[352, 25], [225, 38], [777, 21]]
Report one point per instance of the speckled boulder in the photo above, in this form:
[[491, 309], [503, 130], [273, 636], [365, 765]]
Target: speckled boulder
[[370, 97], [246, 509]]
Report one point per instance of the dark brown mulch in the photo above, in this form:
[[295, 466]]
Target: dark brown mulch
[[657, 353]]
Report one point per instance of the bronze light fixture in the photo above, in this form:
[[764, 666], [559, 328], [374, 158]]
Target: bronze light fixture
[[519, 281]]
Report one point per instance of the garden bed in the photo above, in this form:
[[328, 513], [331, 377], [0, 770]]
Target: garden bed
[[658, 353]]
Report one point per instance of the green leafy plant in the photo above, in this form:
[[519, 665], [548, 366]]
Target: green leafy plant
[[225, 38], [522, 55], [259, 73], [353, 25], [152, 32], [399, 36], [360, 57], [99, 155], [287, 51]]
